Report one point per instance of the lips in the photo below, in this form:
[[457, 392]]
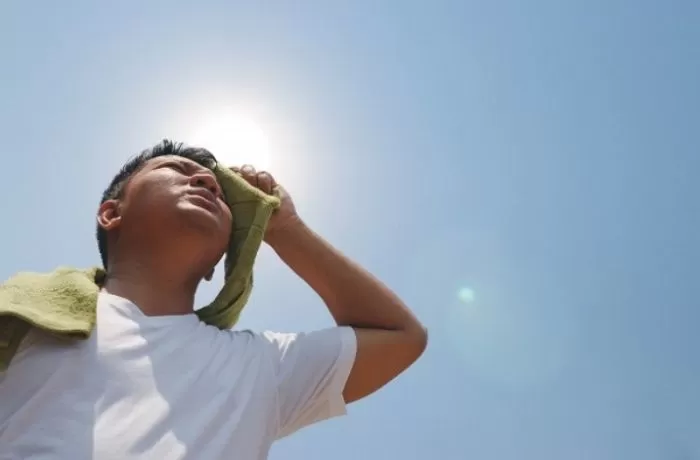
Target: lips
[[205, 199]]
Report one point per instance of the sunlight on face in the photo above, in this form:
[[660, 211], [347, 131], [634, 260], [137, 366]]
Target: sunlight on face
[[234, 139]]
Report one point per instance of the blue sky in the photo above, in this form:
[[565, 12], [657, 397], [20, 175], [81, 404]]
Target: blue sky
[[522, 173]]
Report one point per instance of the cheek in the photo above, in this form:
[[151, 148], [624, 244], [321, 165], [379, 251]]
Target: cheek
[[226, 230], [153, 196], [225, 211], [227, 224], [162, 184]]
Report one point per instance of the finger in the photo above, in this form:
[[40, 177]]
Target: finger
[[248, 173], [236, 169], [265, 182]]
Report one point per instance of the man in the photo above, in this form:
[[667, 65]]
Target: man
[[152, 381]]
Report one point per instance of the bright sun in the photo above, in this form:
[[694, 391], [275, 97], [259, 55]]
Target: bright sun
[[235, 140]]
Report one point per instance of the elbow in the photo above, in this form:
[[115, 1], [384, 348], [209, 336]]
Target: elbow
[[424, 339], [419, 340]]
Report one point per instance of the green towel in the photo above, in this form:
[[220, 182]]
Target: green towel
[[64, 301]]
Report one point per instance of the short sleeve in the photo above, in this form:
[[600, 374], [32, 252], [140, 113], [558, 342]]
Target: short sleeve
[[311, 370]]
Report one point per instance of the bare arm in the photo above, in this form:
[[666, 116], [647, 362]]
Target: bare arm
[[389, 337]]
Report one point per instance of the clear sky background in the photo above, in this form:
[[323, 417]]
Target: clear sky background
[[524, 174]]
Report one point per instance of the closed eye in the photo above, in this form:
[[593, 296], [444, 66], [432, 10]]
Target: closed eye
[[178, 167]]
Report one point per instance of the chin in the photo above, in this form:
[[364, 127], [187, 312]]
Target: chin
[[205, 222]]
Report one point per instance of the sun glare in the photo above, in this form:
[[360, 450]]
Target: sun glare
[[235, 140]]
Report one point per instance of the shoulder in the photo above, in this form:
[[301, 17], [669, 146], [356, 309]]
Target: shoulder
[[300, 348]]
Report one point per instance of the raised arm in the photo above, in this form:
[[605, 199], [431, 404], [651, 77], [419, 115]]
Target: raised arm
[[389, 337]]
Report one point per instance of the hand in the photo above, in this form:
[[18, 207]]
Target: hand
[[286, 214]]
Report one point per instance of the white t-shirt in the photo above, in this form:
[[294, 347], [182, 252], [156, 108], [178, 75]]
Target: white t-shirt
[[167, 387]]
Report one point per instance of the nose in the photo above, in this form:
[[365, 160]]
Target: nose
[[206, 180]]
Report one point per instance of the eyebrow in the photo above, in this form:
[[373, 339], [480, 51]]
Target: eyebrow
[[188, 164]]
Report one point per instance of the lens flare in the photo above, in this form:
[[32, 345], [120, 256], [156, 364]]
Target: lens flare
[[466, 295]]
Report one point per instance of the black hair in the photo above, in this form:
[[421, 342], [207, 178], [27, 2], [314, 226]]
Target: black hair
[[116, 187]]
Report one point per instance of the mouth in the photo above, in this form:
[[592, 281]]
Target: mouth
[[205, 199]]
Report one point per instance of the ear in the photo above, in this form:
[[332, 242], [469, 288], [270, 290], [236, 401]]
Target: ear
[[108, 215], [210, 275]]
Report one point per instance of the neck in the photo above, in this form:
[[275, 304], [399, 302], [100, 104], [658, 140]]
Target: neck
[[154, 287]]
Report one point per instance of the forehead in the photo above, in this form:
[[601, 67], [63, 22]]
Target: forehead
[[186, 162]]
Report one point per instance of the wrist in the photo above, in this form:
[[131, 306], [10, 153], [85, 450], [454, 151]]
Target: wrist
[[284, 232]]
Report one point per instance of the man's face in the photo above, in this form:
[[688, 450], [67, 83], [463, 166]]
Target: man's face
[[173, 198]]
